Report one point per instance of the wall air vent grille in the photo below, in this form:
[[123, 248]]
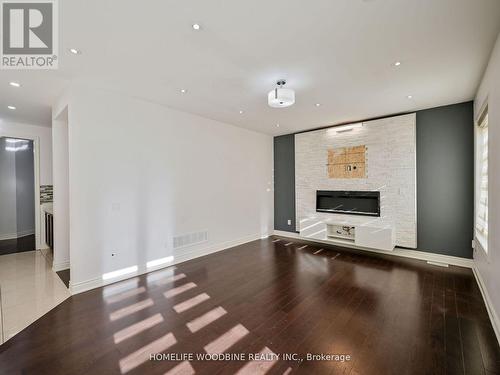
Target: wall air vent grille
[[190, 239]]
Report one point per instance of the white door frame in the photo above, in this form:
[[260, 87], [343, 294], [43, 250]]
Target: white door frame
[[36, 160]]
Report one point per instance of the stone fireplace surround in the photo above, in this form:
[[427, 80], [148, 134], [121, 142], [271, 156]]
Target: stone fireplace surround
[[390, 169]]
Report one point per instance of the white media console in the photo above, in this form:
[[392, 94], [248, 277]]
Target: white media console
[[345, 233]]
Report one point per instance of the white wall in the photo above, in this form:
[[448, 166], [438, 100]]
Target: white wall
[[391, 169], [140, 173], [60, 164], [488, 265]]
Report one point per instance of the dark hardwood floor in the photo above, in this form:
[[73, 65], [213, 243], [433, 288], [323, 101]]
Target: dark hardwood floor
[[18, 245], [390, 315], [64, 275]]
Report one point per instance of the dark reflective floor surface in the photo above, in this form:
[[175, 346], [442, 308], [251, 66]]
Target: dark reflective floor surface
[[274, 296]]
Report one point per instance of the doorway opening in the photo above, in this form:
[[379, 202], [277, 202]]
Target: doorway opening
[[18, 229], [26, 259]]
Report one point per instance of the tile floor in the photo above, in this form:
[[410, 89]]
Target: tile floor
[[28, 289]]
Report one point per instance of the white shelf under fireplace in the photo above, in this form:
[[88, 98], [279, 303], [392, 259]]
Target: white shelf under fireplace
[[345, 232]]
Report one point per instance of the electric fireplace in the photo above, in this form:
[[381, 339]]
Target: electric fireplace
[[348, 202]]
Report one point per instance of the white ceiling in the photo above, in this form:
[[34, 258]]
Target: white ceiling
[[339, 53]]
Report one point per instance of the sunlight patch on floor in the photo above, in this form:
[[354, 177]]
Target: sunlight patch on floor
[[202, 321], [120, 287], [258, 367], [180, 289], [226, 340], [122, 296], [137, 328], [140, 356], [192, 302], [118, 314], [183, 368], [164, 280]]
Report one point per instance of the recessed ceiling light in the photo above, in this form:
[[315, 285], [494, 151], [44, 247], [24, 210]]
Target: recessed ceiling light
[[409, 96], [15, 84], [11, 107], [183, 91], [278, 125], [196, 26], [397, 63], [241, 112], [318, 104], [75, 51]]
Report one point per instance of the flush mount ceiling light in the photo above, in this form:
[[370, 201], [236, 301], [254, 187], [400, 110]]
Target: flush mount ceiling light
[[318, 104], [409, 96], [183, 91], [196, 26], [11, 107], [241, 112], [75, 51], [15, 84], [397, 63], [281, 97]]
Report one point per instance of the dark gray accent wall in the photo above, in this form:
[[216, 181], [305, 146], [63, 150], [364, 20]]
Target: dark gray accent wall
[[284, 182], [445, 180]]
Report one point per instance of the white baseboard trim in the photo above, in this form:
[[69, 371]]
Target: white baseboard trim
[[84, 286], [12, 236], [405, 253], [495, 322], [61, 266]]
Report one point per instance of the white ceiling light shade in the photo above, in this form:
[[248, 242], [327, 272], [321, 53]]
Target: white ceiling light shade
[[15, 84], [281, 97], [75, 51], [11, 107]]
